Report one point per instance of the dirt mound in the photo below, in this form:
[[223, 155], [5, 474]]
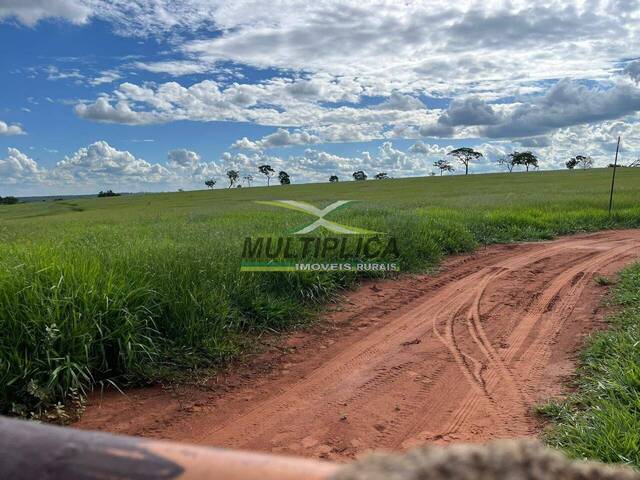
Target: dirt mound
[[457, 356]]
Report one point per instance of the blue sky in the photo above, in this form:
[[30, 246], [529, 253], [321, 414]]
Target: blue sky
[[159, 95]]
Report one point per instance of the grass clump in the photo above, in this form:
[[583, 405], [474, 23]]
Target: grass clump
[[601, 421], [602, 280]]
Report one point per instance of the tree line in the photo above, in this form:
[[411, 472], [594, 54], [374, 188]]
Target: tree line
[[233, 176], [464, 156], [526, 159], [8, 200]]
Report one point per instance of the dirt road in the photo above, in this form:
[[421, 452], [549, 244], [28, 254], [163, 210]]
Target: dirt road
[[461, 355]]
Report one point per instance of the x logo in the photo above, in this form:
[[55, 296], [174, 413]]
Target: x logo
[[320, 214]]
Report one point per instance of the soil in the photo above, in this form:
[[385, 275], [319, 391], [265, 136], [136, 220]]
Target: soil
[[459, 355]]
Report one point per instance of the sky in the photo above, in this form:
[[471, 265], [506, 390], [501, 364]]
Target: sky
[[160, 95]]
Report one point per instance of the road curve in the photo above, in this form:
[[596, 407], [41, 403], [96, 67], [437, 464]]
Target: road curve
[[461, 355]]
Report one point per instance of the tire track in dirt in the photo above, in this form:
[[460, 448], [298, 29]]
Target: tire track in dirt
[[461, 355], [496, 369]]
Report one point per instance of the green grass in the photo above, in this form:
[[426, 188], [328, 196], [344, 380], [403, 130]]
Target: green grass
[[133, 289], [601, 420]]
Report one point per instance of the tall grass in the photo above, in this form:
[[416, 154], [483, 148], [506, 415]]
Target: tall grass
[[601, 420], [133, 289]]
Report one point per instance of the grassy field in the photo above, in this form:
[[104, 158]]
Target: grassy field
[[133, 289], [602, 419]]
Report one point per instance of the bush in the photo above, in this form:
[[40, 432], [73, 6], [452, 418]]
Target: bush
[[108, 193], [8, 200]]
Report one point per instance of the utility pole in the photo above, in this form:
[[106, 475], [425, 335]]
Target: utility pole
[[613, 179]]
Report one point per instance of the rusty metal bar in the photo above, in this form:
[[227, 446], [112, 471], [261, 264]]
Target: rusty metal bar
[[29, 450]]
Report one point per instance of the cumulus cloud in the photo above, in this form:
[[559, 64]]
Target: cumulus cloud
[[183, 158], [565, 104], [399, 101], [469, 111], [281, 138], [102, 111], [30, 12], [267, 103], [6, 129], [421, 148], [440, 128], [99, 166], [101, 163], [188, 165], [17, 167]]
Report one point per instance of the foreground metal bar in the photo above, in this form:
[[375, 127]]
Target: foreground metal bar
[[30, 450]]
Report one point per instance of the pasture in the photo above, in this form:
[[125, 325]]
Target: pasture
[[135, 289]]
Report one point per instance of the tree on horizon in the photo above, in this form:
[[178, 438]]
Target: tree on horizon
[[233, 176], [465, 156], [444, 165], [267, 171]]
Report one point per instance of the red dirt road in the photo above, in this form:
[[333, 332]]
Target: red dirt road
[[461, 355]]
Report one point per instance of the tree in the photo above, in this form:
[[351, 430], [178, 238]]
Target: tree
[[359, 176], [382, 176], [527, 159], [8, 200], [584, 162], [465, 156], [267, 171], [334, 179], [108, 193], [210, 183], [571, 163], [506, 161], [248, 179], [233, 176], [444, 165], [284, 178]]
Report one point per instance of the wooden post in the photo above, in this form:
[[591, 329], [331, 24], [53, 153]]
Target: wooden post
[[613, 178]]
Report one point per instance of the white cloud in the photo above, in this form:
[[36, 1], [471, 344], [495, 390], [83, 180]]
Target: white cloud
[[281, 138], [54, 73], [469, 111], [399, 101], [102, 111], [183, 158], [565, 104], [17, 167], [100, 163], [106, 76], [100, 166], [6, 129], [30, 12], [174, 67], [421, 148], [267, 103]]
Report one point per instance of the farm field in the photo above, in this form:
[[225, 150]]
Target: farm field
[[131, 290]]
